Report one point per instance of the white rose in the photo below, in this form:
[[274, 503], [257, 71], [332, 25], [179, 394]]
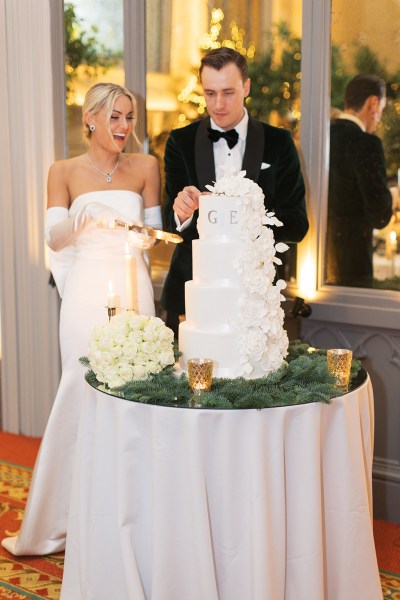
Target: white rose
[[163, 344], [130, 350], [106, 342], [166, 334], [136, 335], [139, 372], [116, 351], [153, 366], [112, 378], [166, 357], [150, 334], [125, 371], [149, 347]]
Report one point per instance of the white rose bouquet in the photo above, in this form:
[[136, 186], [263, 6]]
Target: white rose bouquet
[[130, 347]]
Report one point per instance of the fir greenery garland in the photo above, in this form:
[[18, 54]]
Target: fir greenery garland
[[302, 379]]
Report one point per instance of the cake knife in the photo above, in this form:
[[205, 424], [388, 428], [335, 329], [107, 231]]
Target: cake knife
[[165, 236]]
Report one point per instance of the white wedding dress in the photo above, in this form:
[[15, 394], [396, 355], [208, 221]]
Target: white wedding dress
[[97, 257]]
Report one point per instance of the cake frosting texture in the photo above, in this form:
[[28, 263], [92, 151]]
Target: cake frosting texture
[[233, 308]]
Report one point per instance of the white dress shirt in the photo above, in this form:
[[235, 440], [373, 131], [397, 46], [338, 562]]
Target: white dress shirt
[[356, 120], [232, 158]]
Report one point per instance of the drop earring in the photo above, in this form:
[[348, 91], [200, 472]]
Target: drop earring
[[92, 127]]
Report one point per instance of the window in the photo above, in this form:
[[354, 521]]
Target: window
[[93, 53], [364, 40]]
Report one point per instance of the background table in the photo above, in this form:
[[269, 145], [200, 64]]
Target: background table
[[186, 504]]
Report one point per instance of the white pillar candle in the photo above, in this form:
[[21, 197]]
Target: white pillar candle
[[130, 280], [112, 296]]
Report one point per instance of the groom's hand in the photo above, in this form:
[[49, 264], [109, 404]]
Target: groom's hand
[[186, 202]]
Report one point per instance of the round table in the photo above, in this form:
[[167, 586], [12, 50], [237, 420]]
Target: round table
[[183, 504]]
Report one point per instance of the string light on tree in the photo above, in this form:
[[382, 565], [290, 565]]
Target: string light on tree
[[209, 41]]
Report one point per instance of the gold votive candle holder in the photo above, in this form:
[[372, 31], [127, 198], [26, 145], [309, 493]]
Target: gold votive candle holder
[[200, 374], [339, 365]]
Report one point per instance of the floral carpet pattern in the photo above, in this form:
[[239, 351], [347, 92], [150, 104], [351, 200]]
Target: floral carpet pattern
[[31, 577], [38, 578]]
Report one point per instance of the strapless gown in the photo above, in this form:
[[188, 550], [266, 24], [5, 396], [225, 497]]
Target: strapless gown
[[98, 256]]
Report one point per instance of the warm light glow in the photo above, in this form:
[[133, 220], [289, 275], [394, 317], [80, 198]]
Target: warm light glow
[[209, 41], [393, 237], [307, 277]]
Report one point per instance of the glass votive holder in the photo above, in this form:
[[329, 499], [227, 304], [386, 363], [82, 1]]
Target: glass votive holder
[[200, 374], [339, 365]]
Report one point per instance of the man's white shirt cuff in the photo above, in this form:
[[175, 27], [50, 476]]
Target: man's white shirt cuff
[[182, 226]]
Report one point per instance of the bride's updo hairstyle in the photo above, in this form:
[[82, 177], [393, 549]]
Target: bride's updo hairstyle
[[102, 96]]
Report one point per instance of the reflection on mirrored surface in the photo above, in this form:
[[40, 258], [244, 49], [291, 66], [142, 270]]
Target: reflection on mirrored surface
[[359, 198], [364, 40]]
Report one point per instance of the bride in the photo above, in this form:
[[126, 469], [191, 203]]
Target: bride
[[95, 188]]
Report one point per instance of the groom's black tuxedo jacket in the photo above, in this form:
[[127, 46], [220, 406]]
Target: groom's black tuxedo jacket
[[189, 160]]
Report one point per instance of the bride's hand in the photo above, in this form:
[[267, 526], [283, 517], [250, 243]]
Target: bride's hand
[[106, 216], [140, 240]]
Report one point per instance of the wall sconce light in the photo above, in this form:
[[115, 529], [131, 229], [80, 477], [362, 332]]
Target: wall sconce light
[[300, 308]]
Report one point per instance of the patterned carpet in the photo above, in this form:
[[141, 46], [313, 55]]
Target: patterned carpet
[[40, 577], [22, 578]]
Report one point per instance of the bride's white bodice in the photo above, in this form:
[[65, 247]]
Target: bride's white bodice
[[94, 241]]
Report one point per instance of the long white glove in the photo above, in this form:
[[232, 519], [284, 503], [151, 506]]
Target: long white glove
[[61, 230], [152, 218]]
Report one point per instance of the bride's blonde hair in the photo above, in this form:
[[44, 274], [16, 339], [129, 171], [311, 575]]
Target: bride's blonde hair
[[102, 96]]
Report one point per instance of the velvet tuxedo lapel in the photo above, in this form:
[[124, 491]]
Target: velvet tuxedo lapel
[[204, 156], [253, 155]]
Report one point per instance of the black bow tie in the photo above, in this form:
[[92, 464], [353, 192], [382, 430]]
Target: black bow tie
[[231, 136]]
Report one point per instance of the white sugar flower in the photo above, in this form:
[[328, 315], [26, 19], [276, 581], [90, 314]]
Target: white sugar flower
[[252, 314], [260, 319], [281, 247]]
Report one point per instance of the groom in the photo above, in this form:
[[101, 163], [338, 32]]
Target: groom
[[228, 137]]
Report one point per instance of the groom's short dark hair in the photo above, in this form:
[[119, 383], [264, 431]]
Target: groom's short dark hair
[[220, 57], [362, 87]]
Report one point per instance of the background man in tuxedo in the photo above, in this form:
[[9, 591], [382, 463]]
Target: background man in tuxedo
[[194, 156], [359, 199]]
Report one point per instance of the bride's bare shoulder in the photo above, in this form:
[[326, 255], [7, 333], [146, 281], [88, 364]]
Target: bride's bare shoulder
[[141, 161], [67, 166]]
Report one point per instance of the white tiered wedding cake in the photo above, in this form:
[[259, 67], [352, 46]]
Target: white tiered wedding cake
[[233, 309]]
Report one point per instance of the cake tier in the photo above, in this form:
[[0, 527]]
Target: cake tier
[[214, 260], [223, 347], [218, 217], [212, 305]]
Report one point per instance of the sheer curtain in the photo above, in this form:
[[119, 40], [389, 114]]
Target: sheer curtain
[[29, 307]]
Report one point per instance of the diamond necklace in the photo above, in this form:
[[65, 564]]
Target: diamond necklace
[[106, 175]]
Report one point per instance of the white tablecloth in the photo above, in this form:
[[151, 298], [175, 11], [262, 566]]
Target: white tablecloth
[[186, 504]]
